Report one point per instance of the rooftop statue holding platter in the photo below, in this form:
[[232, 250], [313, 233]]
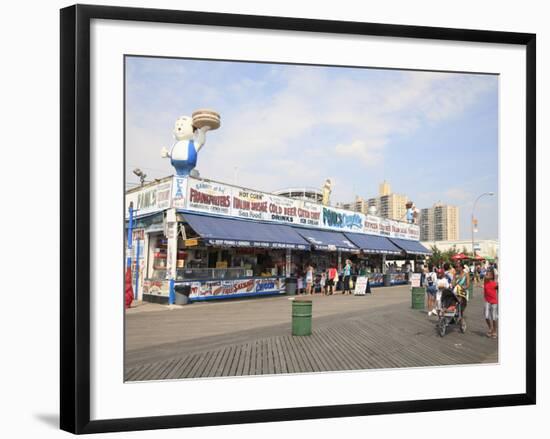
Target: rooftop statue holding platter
[[190, 136]]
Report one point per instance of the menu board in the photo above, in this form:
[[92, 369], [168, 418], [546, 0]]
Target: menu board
[[361, 285], [209, 197]]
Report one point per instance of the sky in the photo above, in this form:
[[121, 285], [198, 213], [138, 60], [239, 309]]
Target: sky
[[432, 136]]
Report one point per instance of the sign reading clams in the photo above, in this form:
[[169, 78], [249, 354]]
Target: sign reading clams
[[222, 199], [341, 219]]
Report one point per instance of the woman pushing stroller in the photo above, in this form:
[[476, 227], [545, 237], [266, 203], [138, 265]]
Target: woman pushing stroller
[[461, 285], [454, 301]]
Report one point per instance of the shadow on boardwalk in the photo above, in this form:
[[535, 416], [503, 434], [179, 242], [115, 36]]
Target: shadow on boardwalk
[[391, 335]]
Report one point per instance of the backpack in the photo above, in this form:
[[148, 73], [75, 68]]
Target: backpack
[[430, 279]]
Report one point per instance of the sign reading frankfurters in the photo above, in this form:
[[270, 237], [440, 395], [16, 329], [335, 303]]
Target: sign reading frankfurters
[[205, 196], [221, 199]]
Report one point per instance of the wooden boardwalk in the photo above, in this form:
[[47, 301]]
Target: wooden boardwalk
[[388, 336]]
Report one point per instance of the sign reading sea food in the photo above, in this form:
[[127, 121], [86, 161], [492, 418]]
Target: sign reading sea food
[[250, 204], [221, 199]]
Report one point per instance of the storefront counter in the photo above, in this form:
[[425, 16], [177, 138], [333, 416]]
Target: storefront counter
[[208, 289]]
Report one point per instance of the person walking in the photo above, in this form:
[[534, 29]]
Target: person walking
[[431, 290], [309, 279], [347, 277], [300, 282], [461, 285], [449, 272], [490, 294], [332, 280], [323, 283], [442, 284]]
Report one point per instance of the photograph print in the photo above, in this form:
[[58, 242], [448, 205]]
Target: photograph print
[[293, 218]]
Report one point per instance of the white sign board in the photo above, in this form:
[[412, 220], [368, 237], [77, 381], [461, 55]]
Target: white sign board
[[415, 279], [150, 198], [361, 286]]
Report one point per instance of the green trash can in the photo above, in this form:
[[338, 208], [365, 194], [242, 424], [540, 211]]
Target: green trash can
[[301, 317], [417, 296]]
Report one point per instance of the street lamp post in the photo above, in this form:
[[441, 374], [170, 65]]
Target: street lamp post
[[490, 194]]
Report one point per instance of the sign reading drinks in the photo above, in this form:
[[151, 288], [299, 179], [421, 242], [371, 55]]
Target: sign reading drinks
[[196, 195], [220, 199]]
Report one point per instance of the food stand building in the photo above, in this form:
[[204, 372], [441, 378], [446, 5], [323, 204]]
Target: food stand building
[[226, 241]]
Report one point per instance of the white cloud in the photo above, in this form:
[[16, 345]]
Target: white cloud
[[294, 131], [369, 154], [458, 195]]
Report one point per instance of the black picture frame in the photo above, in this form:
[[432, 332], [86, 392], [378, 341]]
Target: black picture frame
[[75, 217]]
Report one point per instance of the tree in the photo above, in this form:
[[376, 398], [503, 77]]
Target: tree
[[436, 258], [449, 253]]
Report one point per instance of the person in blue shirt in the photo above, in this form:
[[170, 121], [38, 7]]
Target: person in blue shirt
[[347, 277]]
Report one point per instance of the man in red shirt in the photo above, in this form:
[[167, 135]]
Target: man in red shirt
[[490, 292], [332, 280]]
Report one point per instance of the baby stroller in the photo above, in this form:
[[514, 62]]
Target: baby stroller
[[451, 312]]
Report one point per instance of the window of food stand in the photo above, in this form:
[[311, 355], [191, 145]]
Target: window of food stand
[[157, 256], [208, 262]]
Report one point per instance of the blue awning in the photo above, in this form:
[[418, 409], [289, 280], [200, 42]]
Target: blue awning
[[374, 244], [411, 247], [325, 240], [242, 233]]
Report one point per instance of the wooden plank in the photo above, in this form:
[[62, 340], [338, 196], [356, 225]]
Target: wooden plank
[[252, 362], [166, 370], [242, 357], [175, 373], [207, 369], [291, 361], [269, 354], [150, 372], [222, 361], [246, 363], [196, 370], [235, 360], [300, 366], [186, 371], [307, 355]]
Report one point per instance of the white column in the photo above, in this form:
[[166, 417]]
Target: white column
[[288, 262], [171, 232]]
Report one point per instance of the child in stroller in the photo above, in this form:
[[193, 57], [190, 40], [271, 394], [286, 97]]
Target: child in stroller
[[452, 309]]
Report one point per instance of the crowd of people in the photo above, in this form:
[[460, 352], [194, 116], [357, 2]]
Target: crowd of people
[[325, 282], [458, 278]]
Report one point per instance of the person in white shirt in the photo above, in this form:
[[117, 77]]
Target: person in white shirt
[[431, 290], [442, 284]]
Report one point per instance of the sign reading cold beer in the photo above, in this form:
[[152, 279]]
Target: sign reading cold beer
[[217, 198], [214, 198]]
